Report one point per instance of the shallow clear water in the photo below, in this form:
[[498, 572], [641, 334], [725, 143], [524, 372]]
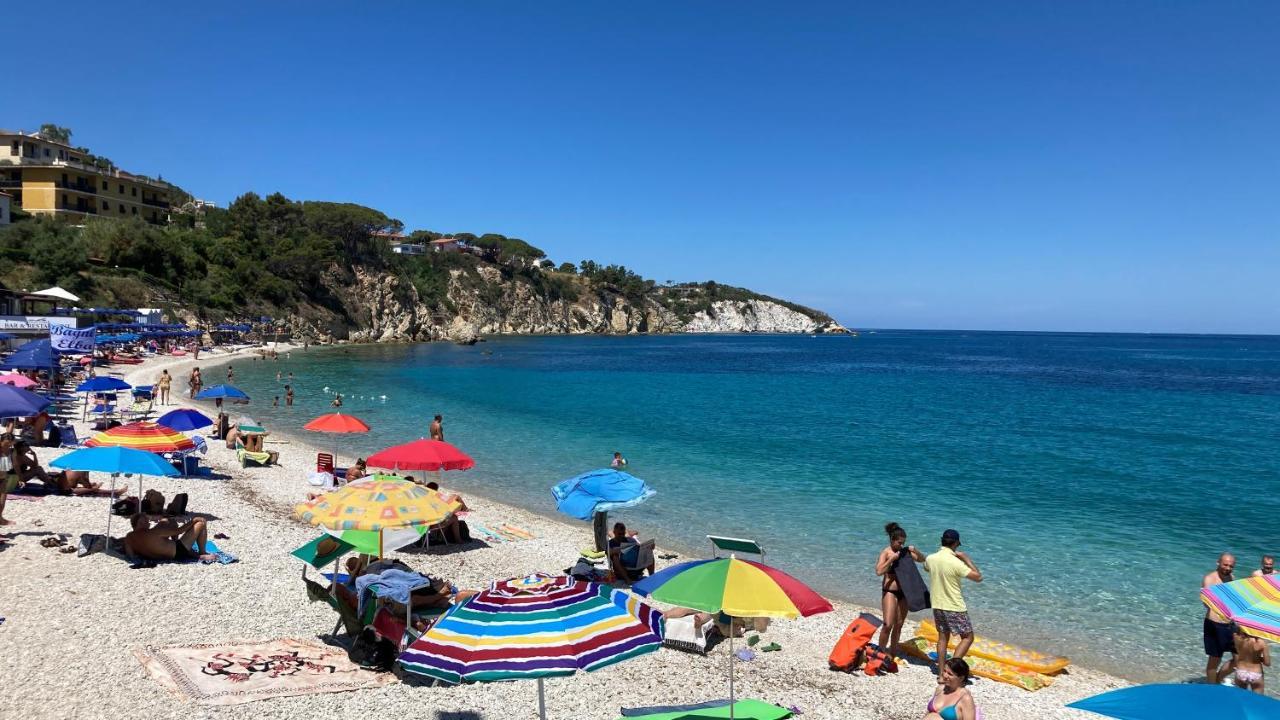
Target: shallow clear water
[[1094, 478]]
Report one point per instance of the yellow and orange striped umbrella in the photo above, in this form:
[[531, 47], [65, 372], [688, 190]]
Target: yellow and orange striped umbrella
[[146, 436]]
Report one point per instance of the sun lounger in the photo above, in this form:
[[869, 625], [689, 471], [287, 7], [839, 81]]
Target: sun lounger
[[735, 546], [683, 633], [261, 459]]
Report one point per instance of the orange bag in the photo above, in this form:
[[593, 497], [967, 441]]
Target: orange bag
[[848, 653]]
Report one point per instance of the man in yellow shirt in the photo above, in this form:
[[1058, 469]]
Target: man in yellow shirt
[[947, 568]]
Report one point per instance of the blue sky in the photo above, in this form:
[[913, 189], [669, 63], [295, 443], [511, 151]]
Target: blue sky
[[1022, 165]]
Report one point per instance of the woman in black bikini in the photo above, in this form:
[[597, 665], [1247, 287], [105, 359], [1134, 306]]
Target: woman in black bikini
[[892, 602]]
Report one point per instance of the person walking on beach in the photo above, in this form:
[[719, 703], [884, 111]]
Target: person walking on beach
[[288, 396], [162, 385], [893, 601], [1218, 638], [947, 568], [437, 428], [1268, 566]]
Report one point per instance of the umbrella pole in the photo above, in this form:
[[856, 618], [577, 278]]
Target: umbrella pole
[[731, 698], [542, 701], [107, 545], [600, 530]]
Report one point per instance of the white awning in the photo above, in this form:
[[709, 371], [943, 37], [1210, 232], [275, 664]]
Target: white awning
[[57, 292]]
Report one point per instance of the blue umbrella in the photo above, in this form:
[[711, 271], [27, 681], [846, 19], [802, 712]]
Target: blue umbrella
[[184, 420], [1159, 702], [223, 392], [16, 402], [7, 336], [591, 495], [102, 383], [116, 460], [36, 354]]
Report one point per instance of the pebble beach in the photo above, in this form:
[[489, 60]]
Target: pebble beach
[[72, 623]]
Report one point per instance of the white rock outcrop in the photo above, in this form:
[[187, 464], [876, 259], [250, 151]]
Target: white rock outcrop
[[745, 316]]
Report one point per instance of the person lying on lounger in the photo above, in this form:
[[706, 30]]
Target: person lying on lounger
[[167, 540]]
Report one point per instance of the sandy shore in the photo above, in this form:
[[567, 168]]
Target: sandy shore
[[71, 623]]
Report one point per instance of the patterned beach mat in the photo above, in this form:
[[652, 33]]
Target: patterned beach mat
[[236, 673]]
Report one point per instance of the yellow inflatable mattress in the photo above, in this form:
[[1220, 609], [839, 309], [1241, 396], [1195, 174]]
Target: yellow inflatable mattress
[[919, 647], [1002, 652]]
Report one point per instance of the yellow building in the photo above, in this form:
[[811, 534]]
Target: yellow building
[[46, 177]]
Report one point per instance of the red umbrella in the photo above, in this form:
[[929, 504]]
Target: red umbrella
[[337, 423], [422, 455]]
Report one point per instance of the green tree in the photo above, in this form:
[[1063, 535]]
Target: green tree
[[569, 268], [56, 133]]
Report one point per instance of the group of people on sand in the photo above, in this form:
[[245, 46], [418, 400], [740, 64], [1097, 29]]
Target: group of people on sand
[[948, 568], [19, 465], [1250, 656]]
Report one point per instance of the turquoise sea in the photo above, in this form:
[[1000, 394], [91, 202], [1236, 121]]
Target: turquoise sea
[[1094, 478]]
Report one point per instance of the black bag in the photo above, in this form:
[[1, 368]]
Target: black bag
[[372, 652], [125, 506], [55, 437], [177, 506]]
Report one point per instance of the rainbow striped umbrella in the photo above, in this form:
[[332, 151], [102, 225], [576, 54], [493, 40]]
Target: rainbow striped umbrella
[[738, 588], [145, 436], [1252, 603], [535, 627], [741, 588]]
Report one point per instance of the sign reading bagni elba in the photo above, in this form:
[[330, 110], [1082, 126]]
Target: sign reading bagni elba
[[71, 340]]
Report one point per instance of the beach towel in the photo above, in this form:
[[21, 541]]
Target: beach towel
[[743, 709], [913, 586], [485, 533], [391, 584], [236, 673]]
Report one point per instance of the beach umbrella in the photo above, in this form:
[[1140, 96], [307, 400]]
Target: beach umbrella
[[1184, 700], [17, 380], [103, 383], [16, 402], [379, 504], [184, 419], [115, 460], [146, 436], [100, 384], [591, 495], [739, 588], [337, 423], [422, 455], [223, 392], [1252, 603], [535, 627]]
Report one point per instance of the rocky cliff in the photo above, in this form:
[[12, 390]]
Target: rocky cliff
[[380, 307]]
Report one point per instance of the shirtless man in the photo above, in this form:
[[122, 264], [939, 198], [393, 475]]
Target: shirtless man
[[437, 428], [167, 540], [1268, 566], [1249, 663], [1218, 638]]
